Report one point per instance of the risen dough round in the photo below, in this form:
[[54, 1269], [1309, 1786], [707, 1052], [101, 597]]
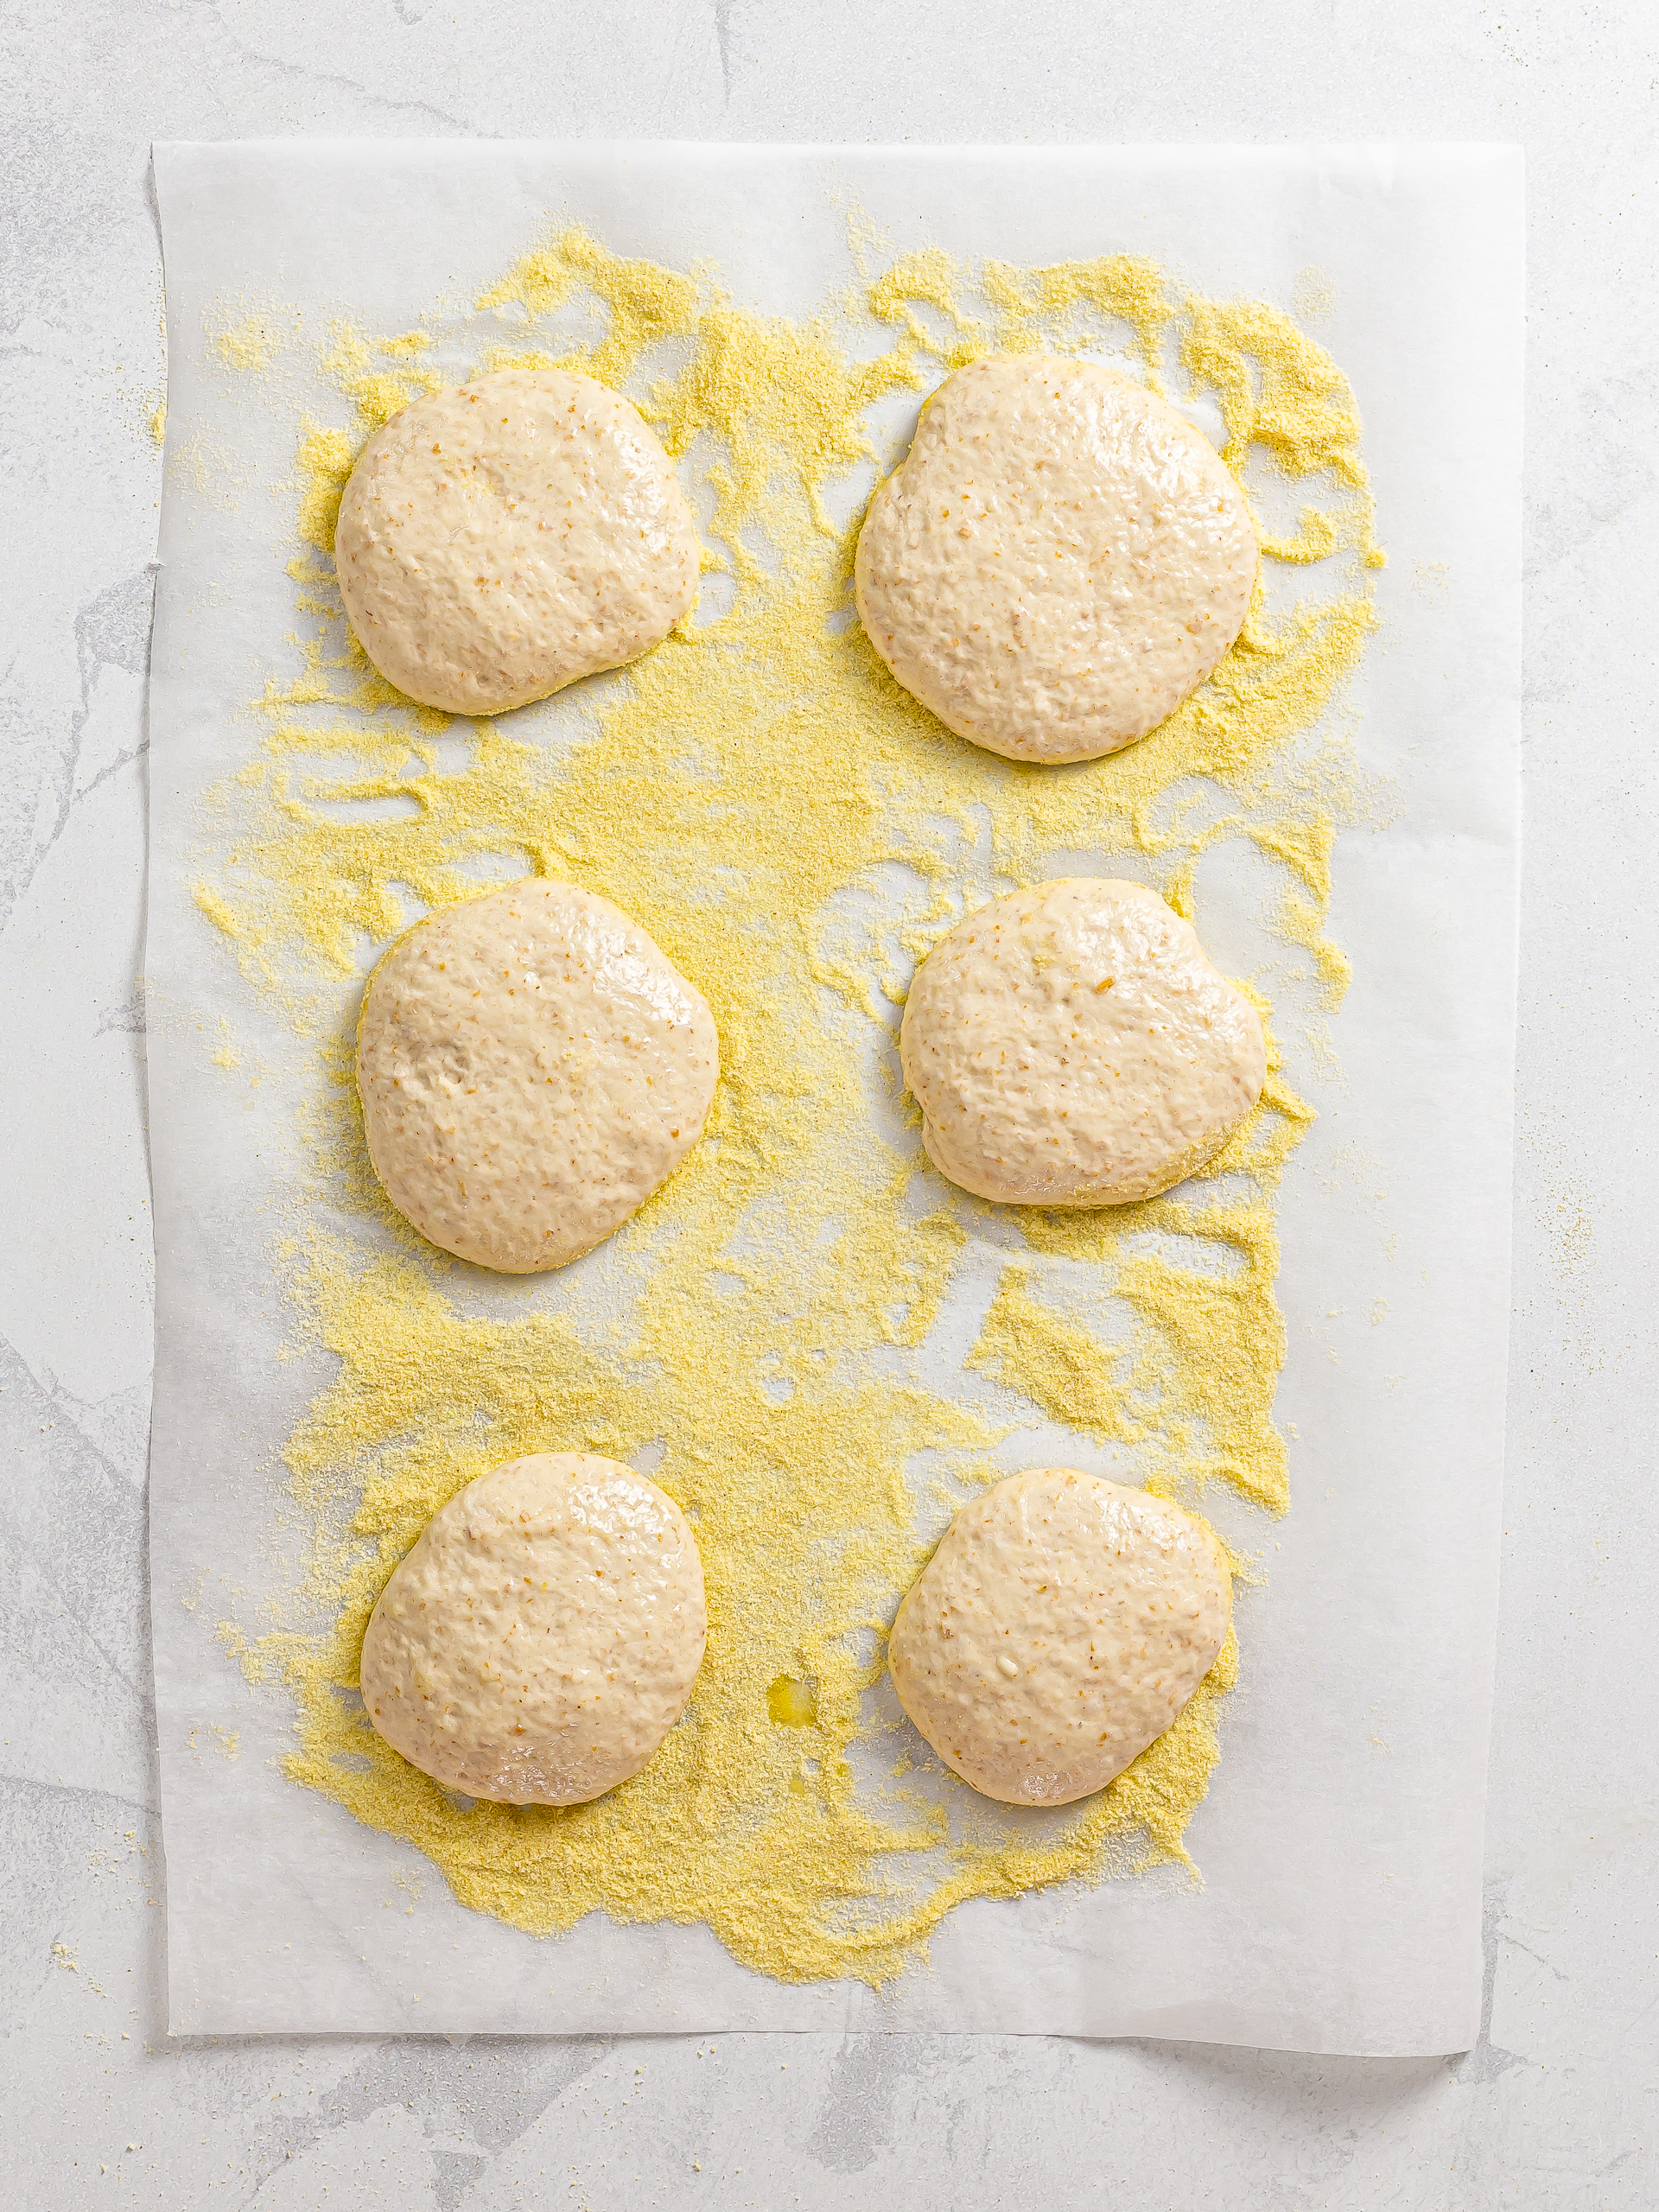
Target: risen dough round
[[1071, 1045], [498, 540], [531, 1068], [1059, 1627], [1060, 560], [541, 1639]]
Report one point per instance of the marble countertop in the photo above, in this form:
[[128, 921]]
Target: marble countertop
[[1555, 2108]]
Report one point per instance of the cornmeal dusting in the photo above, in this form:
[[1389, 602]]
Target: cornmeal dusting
[[739, 792]]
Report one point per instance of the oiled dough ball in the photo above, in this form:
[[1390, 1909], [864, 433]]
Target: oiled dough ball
[[1060, 1629], [541, 1639], [1061, 559], [1071, 1045], [498, 541], [531, 1067]]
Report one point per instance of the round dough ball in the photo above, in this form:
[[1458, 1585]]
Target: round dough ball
[[1071, 1045], [1060, 1629], [1060, 560], [531, 1067], [500, 540], [541, 1639]]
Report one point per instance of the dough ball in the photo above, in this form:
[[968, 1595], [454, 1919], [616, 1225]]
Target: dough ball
[[541, 1639], [1071, 1045], [1060, 560], [498, 540], [1060, 1629], [532, 1067]]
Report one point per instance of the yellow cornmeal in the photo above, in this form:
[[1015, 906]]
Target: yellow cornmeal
[[736, 791], [251, 343]]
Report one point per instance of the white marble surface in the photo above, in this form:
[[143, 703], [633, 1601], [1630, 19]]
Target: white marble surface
[[1556, 2107]]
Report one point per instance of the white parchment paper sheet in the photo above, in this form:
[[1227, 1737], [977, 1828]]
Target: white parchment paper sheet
[[1340, 1844]]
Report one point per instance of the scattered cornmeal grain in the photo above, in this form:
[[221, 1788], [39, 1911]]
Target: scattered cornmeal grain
[[732, 788]]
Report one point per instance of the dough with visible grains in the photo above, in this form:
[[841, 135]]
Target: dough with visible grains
[[542, 1636], [1071, 1045], [498, 541], [1060, 1627], [1059, 561], [531, 1067]]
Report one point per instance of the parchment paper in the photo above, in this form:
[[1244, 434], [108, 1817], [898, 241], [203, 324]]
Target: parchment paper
[[1340, 1844]]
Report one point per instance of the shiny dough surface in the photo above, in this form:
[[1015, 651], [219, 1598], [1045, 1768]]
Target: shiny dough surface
[[531, 1068], [541, 1637], [1072, 1046], [1059, 1627], [1059, 561], [498, 541]]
